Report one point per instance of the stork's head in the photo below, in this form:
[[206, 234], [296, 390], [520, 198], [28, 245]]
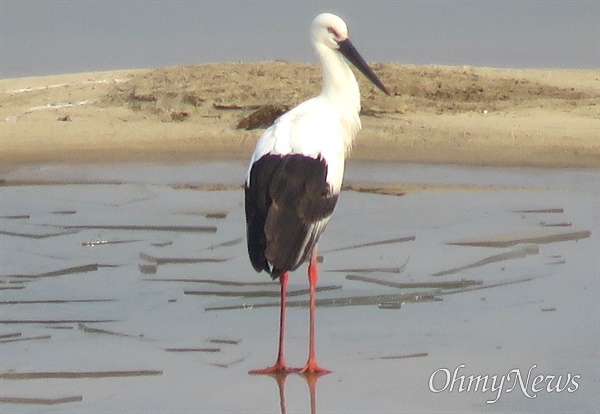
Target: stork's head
[[331, 31]]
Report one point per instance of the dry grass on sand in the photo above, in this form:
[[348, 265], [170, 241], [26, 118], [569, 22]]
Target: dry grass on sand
[[466, 115]]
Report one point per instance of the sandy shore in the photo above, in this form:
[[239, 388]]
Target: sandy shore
[[476, 116]]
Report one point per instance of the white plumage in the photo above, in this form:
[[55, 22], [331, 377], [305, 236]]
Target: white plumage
[[312, 128]]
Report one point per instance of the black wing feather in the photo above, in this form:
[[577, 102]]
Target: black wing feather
[[287, 203]]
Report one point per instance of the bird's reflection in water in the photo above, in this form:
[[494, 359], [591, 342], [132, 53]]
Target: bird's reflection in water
[[311, 381]]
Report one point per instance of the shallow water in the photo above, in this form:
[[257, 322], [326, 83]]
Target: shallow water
[[130, 290]]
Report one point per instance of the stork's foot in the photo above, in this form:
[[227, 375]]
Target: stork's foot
[[311, 368], [278, 369]]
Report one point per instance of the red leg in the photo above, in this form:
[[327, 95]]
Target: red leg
[[279, 367], [311, 366]]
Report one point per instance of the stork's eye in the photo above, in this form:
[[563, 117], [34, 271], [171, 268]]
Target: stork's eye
[[334, 32]]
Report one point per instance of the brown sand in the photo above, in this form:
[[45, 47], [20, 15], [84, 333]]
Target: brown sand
[[478, 116]]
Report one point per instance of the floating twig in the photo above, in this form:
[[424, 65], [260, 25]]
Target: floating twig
[[227, 365], [22, 339], [508, 240], [91, 330], [542, 210], [562, 224], [225, 341], [225, 244], [53, 321], [61, 272], [430, 295], [557, 262], [211, 281], [76, 375], [183, 229], [95, 243], [399, 269], [208, 187], [148, 269], [37, 235], [40, 401], [493, 285], [10, 335], [162, 244], [376, 243], [406, 356], [427, 296], [180, 260], [65, 212], [517, 254], [193, 349], [257, 293], [53, 301], [417, 285]]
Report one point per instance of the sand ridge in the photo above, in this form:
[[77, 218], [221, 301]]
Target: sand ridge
[[438, 114]]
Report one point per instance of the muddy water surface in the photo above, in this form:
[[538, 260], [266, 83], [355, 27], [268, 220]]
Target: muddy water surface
[[127, 288]]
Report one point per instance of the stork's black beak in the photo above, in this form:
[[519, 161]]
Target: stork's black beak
[[349, 51]]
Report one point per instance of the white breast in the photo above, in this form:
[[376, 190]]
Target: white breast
[[312, 128]]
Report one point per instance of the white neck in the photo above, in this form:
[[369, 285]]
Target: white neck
[[340, 89], [339, 83]]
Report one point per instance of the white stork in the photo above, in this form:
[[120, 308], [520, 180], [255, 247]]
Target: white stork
[[296, 172]]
